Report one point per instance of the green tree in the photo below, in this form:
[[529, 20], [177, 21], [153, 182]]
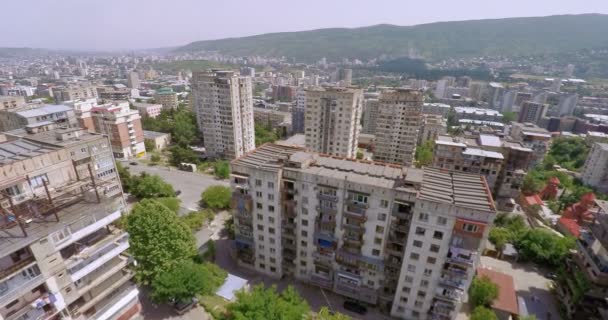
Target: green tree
[[359, 154], [180, 283], [483, 313], [216, 197], [508, 116], [158, 240], [181, 154], [155, 158], [264, 134], [184, 129], [499, 237], [482, 292], [172, 203], [151, 186], [544, 247], [221, 169], [326, 314], [150, 145], [265, 303], [424, 154], [125, 177], [529, 317]]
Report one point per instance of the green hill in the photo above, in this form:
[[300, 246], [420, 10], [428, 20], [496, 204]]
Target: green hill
[[508, 37]]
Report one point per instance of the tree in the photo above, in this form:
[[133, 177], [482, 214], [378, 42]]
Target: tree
[[217, 197], [181, 154], [151, 186], [424, 154], [184, 129], [265, 303], [221, 169], [125, 177], [482, 292], [264, 134], [483, 313], [544, 247], [529, 317], [172, 203], [180, 283], [359, 154], [508, 116], [326, 314], [155, 158], [499, 237], [158, 240], [150, 145]]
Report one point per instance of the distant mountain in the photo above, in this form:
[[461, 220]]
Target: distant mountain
[[508, 37], [21, 52]]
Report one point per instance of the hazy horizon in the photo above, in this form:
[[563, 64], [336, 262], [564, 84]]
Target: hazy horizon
[[112, 25]]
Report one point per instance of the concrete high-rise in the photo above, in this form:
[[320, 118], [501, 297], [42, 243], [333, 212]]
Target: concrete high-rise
[[567, 104], [532, 112], [332, 120], [223, 103], [405, 239], [595, 170], [123, 126], [370, 113], [297, 111], [133, 80], [398, 125], [344, 77]]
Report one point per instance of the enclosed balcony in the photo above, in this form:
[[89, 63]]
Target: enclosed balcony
[[33, 304], [355, 212], [24, 280], [324, 256], [353, 238], [326, 209], [402, 210], [327, 195], [442, 310], [107, 304], [448, 293], [395, 249], [454, 281], [462, 256], [94, 251]]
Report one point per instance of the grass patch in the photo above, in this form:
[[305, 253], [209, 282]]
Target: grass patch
[[215, 305], [196, 219]]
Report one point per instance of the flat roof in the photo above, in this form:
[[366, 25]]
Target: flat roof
[[298, 140], [20, 149], [231, 285], [461, 189], [153, 134], [451, 143], [483, 153], [43, 110], [267, 157], [50, 137], [489, 140]]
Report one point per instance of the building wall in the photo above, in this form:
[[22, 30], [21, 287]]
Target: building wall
[[595, 170]]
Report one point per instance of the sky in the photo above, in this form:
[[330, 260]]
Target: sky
[[137, 24]]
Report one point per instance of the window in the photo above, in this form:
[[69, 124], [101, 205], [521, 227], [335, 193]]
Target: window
[[359, 198], [258, 183], [260, 217], [261, 237], [411, 268], [417, 243], [271, 208], [304, 233], [438, 235], [409, 279], [262, 266], [38, 181], [272, 260], [424, 283], [303, 263], [271, 197], [421, 294], [271, 230], [442, 221], [304, 200], [258, 193], [375, 252], [259, 205], [468, 227], [303, 243], [270, 185], [424, 217], [414, 256], [271, 219], [428, 272], [378, 241], [379, 229], [431, 260], [273, 269], [261, 246], [304, 222], [383, 203], [271, 240], [420, 231], [434, 248], [273, 250], [406, 290], [382, 216], [260, 227]]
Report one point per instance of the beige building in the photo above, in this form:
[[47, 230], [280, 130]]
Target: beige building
[[82, 110], [123, 126], [60, 256], [75, 92], [370, 114], [595, 170], [114, 92], [223, 103], [11, 102], [433, 125], [34, 115], [167, 98], [160, 140], [404, 239], [398, 125], [274, 119], [332, 120]]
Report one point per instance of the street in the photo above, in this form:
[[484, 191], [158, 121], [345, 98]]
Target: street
[[190, 184]]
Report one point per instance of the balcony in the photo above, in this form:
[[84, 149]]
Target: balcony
[[442, 310], [404, 228], [324, 257], [352, 239], [13, 286], [354, 226], [449, 294], [462, 256], [289, 208], [453, 281], [17, 266], [37, 307], [399, 238], [327, 210], [107, 303], [94, 256], [396, 250], [355, 213], [327, 197], [358, 204], [102, 274], [289, 254], [402, 210]]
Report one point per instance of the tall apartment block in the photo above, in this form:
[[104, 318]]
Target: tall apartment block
[[123, 127], [82, 110], [332, 120], [297, 111], [60, 255], [167, 98], [398, 125], [405, 239], [223, 103], [532, 112], [133, 80], [370, 113], [595, 170], [583, 283]]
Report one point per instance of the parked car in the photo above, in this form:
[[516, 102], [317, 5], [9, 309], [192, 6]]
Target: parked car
[[178, 192], [355, 307], [133, 163]]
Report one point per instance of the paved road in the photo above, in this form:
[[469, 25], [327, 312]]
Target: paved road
[[529, 283], [190, 184]]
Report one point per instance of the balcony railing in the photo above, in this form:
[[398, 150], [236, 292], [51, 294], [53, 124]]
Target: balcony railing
[[327, 210], [357, 204], [462, 256], [456, 282], [327, 197], [95, 256], [355, 212], [448, 294], [321, 280], [325, 258], [117, 303], [23, 281], [16, 267]]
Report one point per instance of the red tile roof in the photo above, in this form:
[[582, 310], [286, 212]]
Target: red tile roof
[[507, 300], [569, 225]]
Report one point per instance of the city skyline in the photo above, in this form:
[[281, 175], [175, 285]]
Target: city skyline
[[137, 25]]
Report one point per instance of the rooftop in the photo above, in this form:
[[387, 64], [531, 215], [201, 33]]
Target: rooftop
[[507, 298], [60, 137], [18, 150], [153, 134], [43, 110], [267, 157], [457, 188], [489, 140], [483, 153]]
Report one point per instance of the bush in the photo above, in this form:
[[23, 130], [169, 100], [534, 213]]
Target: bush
[[482, 292], [221, 169], [196, 219], [483, 313], [216, 197], [150, 186], [170, 202], [155, 158]]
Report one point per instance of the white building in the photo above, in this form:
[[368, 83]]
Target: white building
[[405, 239], [332, 120], [370, 115], [398, 125], [223, 103], [595, 171]]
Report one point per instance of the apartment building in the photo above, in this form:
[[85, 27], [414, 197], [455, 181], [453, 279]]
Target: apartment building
[[398, 125], [60, 256], [332, 120], [297, 111], [432, 126], [151, 110], [533, 137], [370, 113], [74, 92], [82, 110], [583, 284], [223, 103], [167, 98], [11, 102], [436, 108], [404, 239], [532, 112], [595, 170], [123, 127], [273, 119], [115, 92], [29, 116]]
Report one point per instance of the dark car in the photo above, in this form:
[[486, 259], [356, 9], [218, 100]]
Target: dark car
[[133, 163], [178, 192], [355, 307]]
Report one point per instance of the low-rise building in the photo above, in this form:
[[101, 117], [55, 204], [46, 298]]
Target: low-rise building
[[12, 102], [432, 126], [123, 126], [26, 116], [533, 137], [115, 92], [167, 98], [273, 119], [474, 113], [160, 140], [77, 91], [82, 110], [151, 110]]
